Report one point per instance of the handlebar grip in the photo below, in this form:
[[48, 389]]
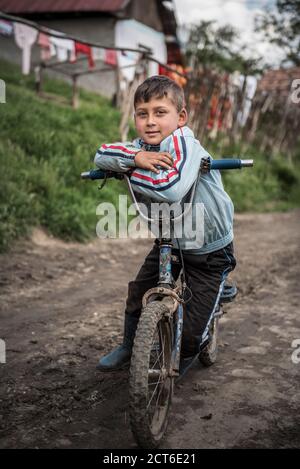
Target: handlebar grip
[[93, 174], [99, 174], [230, 164]]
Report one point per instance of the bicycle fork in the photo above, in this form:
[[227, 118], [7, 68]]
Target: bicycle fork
[[167, 292]]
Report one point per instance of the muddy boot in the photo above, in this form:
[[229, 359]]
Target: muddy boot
[[120, 357]]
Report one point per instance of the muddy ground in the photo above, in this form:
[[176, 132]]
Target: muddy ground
[[62, 308]]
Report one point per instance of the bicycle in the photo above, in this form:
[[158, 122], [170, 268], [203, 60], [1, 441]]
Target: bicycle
[[155, 360]]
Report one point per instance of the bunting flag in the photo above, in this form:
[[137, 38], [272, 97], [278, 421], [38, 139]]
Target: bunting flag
[[110, 57], [87, 50], [47, 49], [98, 54], [6, 28], [25, 37], [65, 48]]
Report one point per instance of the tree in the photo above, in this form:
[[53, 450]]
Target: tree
[[282, 27], [216, 47]]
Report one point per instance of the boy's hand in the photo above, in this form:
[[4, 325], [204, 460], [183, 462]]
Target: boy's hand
[[151, 159]]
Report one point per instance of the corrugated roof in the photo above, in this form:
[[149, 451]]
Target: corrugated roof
[[60, 6]]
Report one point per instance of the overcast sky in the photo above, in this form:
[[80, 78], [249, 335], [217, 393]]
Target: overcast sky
[[238, 13]]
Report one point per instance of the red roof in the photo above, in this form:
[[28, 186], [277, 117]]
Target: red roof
[[278, 80], [60, 6]]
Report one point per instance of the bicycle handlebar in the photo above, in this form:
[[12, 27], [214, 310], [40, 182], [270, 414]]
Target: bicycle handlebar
[[230, 164], [94, 174], [207, 164]]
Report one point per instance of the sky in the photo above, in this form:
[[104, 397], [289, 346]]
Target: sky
[[238, 13]]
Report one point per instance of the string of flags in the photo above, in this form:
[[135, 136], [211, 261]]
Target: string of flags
[[67, 48], [63, 49]]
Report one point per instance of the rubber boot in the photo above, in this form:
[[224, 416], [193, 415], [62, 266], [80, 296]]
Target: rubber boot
[[119, 358]]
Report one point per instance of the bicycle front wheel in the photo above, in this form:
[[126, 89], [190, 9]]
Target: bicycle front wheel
[[151, 380]]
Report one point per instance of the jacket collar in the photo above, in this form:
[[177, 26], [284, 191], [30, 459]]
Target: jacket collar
[[148, 146]]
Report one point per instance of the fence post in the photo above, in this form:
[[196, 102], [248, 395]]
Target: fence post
[[38, 79], [75, 95], [127, 107]]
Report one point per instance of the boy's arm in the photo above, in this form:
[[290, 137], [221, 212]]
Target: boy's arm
[[116, 156], [172, 185], [120, 157]]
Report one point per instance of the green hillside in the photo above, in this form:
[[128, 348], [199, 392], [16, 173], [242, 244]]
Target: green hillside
[[44, 146]]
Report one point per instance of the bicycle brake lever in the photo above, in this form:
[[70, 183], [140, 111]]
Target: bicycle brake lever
[[103, 183]]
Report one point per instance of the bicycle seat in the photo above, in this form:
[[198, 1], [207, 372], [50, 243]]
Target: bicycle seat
[[228, 294]]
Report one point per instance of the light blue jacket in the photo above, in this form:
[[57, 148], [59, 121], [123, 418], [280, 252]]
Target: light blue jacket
[[174, 184]]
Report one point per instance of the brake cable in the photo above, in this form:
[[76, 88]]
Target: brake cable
[[185, 286]]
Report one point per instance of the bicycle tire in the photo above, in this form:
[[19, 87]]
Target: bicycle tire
[[208, 355], [149, 430]]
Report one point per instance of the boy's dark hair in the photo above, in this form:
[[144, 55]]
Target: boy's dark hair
[[157, 87]]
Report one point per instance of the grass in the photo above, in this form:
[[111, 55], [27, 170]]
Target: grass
[[270, 185], [45, 145]]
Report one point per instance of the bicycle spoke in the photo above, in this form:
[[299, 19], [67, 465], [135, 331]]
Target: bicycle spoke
[[153, 394], [152, 384], [156, 360], [159, 394], [163, 344], [158, 389], [162, 352]]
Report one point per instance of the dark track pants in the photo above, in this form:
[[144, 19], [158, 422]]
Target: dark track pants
[[204, 274]]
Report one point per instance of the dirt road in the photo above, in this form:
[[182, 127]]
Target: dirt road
[[62, 307]]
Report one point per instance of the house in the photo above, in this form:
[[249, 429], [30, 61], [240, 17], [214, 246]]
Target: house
[[278, 82], [149, 24]]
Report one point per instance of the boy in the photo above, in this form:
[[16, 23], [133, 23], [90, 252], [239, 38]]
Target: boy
[[164, 163]]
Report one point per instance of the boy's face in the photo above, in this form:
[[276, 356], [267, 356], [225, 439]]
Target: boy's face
[[157, 119]]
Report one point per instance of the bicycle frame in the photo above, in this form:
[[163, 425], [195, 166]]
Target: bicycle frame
[[168, 293], [166, 280]]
